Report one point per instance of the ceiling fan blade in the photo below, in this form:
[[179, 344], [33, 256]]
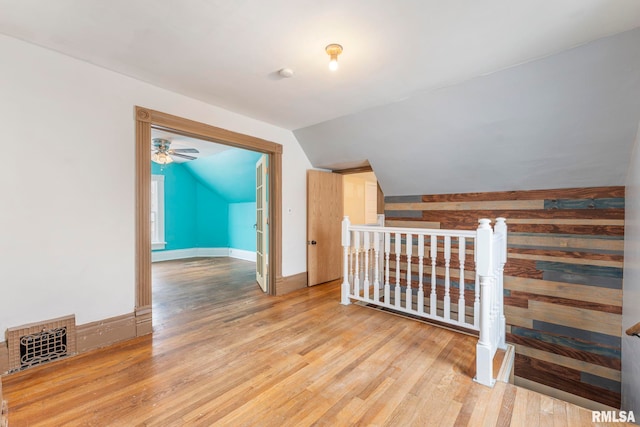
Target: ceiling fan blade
[[184, 156], [185, 150]]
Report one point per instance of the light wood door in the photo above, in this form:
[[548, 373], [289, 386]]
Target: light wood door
[[262, 211], [324, 222]]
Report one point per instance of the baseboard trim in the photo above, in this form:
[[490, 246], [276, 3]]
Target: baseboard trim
[[212, 252], [505, 374], [144, 321], [287, 284], [242, 254], [101, 333], [170, 255], [188, 253], [105, 332]]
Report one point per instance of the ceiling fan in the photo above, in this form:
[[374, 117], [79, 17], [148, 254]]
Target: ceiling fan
[[162, 153]]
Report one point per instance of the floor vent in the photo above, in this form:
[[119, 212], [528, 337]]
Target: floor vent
[[38, 343]]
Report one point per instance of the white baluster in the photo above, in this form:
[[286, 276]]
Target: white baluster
[[409, 251], [433, 296], [462, 248], [447, 278], [397, 295], [420, 302], [476, 301], [366, 264], [346, 245], [376, 273], [387, 261], [356, 273]]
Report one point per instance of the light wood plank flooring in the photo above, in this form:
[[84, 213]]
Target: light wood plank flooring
[[223, 353]]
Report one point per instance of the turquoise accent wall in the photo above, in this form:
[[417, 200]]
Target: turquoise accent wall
[[231, 174], [179, 205], [212, 219], [194, 216], [211, 202], [242, 233]]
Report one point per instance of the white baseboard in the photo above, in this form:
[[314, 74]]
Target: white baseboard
[[202, 252], [212, 252], [173, 254], [242, 254]]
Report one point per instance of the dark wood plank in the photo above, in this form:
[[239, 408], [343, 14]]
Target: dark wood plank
[[563, 378], [527, 296], [596, 359], [565, 193]]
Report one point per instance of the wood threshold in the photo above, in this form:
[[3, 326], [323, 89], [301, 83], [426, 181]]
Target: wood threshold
[[223, 353]]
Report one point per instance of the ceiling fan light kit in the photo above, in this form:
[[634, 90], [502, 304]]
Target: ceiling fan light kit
[[161, 158], [163, 155]]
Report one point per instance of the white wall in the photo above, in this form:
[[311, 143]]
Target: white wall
[[631, 286], [67, 205]]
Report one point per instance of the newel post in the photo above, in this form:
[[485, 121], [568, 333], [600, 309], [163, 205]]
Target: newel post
[[501, 230], [346, 243], [484, 269]]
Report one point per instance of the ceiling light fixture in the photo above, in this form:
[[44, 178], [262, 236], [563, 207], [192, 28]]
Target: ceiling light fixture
[[333, 50], [162, 158]]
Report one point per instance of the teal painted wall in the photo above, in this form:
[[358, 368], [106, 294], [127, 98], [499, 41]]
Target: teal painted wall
[[194, 215], [212, 219], [242, 233], [179, 205], [231, 174]]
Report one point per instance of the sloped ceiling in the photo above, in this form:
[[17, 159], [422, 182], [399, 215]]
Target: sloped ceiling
[[231, 174], [425, 91], [567, 120]]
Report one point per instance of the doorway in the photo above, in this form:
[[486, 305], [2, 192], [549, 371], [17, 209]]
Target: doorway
[[331, 196], [145, 119]]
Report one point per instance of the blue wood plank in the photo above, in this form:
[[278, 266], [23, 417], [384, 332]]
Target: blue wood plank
[[581, 279], [402, 199], [605, 203], [581, 334], [403, 214], [587, 270], [567, 342], [605, 383]]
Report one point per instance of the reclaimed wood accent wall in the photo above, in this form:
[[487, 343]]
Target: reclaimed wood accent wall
[[563, 278]]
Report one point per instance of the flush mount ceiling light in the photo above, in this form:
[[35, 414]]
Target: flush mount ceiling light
[[333, 50]]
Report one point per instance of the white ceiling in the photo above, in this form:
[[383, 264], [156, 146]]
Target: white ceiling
[[228, 52], [419, 74]]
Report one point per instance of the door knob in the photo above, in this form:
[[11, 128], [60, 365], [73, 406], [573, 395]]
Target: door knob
[[312, 242]]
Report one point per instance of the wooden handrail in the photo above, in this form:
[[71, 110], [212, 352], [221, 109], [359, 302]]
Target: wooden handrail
[[634, 330]]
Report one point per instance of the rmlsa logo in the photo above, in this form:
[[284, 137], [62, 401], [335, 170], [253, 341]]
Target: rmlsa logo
[[612, 417]]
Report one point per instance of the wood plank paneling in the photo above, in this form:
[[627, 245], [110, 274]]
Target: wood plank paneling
[[563, 277]]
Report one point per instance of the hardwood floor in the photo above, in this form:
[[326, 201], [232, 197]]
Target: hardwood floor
[[223, 353]]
